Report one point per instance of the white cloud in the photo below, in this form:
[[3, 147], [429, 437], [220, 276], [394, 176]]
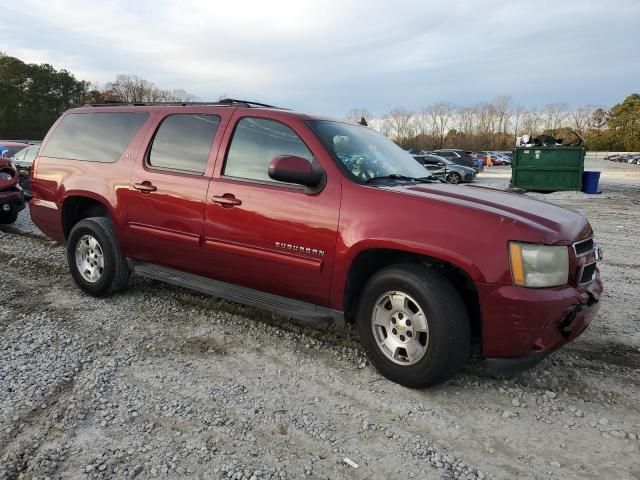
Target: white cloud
[[331, 55]]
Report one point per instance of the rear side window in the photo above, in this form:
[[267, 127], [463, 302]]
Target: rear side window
[[257, 141], [183, 142], [96, 137]]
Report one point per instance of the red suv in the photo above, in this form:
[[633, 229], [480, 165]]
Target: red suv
[[315, 219]]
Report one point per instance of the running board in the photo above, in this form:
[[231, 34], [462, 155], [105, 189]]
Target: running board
[[235, 293]]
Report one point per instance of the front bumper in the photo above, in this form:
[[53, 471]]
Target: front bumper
[[521, 325]]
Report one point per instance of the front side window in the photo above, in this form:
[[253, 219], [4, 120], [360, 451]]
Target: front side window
[[95, 137], [183, 142], [365, 153], [257, 141]]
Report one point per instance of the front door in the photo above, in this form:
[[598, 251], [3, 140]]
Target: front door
[[264, 234], [166, 198]]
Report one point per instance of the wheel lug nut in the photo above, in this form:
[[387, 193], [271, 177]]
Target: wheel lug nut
[[408, 322], [394, 331], [402, 338], [409, 334], [400, 316], [393, 320]]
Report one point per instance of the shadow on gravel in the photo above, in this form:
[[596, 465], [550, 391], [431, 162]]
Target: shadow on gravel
[[612, 353]]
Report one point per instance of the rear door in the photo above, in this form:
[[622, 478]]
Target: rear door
[[267, 235], [168, 189]]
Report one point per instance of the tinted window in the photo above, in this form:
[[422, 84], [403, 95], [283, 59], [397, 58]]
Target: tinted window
[[97, 137], [183, 142], [30, 154], [257, 141]]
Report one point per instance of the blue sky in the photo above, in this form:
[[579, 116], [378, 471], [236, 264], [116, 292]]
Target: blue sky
[[330, 56]]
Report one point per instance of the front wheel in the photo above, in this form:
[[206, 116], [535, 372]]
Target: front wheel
[[8, 218], [94, 257], [413, 325], [453, 178]]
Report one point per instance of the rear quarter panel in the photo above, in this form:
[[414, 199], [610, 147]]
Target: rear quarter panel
[[55, 180]]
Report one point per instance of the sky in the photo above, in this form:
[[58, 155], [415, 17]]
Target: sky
[[331, 56]]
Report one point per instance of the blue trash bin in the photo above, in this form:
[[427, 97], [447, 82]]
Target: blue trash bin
[[590, 182]]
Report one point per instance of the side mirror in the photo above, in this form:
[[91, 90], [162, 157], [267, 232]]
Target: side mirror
[[293, 169]]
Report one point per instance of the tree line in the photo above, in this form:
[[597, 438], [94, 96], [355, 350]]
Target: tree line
[[32, 96], [495, 125]]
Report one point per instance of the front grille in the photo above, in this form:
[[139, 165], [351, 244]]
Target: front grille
[[583, 247], [588, 273]]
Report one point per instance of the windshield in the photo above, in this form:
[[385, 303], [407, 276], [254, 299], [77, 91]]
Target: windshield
[[365, 153]]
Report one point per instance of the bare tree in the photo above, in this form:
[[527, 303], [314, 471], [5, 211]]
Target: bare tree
[[466, 119], [502, 107], [531, 121], [486, 118], [422, 122], [581, 118], [399, 124], [555, 115], [518, 114], [441, 114], [135, 89]]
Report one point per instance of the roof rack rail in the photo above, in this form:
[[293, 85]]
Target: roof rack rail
[[227, 102]]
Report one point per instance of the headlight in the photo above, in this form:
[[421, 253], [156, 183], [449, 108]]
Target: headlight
[[538, 266]]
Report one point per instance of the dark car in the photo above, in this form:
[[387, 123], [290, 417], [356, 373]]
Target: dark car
[[457, 156], [441, 167], [23, 161]]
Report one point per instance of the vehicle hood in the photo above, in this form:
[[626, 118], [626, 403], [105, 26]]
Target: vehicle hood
[[547, 222]]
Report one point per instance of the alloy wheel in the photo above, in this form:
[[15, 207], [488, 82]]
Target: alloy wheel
[[400, 328]]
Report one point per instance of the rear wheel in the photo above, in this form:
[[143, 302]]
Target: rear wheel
[[413, 325], [94, 257]]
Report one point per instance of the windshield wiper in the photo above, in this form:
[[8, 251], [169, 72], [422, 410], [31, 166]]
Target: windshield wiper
[[397, 176]]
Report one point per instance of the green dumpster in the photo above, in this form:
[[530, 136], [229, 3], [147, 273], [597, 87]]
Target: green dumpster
[[547, 168]]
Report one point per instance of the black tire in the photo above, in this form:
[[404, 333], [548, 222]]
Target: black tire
[[447, 319], [453, 178], [116, 273], [8, 218]]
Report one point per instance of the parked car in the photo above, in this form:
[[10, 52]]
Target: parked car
[[457, 156], [11, 195], [441, 167], [23, 162], [9, 148], [316, 219], [496, 158]]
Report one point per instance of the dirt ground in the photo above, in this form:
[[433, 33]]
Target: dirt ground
[[163, 382]]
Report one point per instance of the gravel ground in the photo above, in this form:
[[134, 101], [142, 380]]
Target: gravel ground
[[163, 382]]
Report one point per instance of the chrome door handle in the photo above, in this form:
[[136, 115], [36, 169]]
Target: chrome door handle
[[145, 187], [227, 200]]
